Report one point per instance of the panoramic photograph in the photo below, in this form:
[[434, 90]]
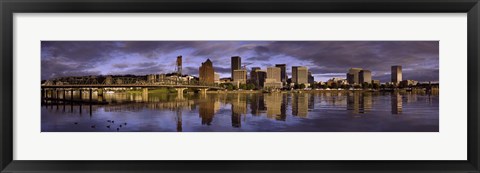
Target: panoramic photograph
[[239, 86]]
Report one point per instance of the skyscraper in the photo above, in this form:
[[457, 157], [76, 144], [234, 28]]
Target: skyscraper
[[236, 64], [273, 78], [299, 75], [274, 73], [396, 74], [254, 76], [261, 77], [311, 79], [207, 74], [283, 74], [365, 76], [179, 65], [353, 75]]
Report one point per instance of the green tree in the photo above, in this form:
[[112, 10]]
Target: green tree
[[250, 86], [375, 86], [334, 85], [301, 86], [366, 85], [243, 86]]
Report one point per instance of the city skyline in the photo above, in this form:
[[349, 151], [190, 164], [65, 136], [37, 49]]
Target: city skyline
[[324, 59]]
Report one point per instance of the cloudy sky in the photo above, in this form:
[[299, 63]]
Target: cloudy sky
[[325, 59]]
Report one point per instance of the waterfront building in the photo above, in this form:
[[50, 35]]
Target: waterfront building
[[407, 83], [376, 82], [283, 73], [257, 77], [365, 76], [216, 78], [353, 76], [236, 64], [311, 79], [261, 78], [299, 75], [396, 74], [273, 78], [240, 76], [207, 73], [151, 78]]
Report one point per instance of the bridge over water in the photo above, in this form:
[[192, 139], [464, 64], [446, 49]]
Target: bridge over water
[[55, 91]]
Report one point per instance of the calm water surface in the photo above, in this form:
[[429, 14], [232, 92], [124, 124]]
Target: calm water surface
[[346, 111]]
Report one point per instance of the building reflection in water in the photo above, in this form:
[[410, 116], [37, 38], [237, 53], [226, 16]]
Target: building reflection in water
[[179, 120], [396, 100], [206, 109], [257, 104], [300, 105], [239, 108], [359, 102], [276, 108]]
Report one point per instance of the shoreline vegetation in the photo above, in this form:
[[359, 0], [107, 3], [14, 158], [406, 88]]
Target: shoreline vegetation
[[173, 91]]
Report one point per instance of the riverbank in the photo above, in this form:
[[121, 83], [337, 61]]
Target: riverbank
[[323, 90]]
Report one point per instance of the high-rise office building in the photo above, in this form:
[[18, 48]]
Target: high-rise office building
[[299, 75], [253, 74], [283, 74], [273, 78], [396, 74], [207, 74], [365, 76], [311, 79], [240, 76], [274, 73], [261, 77], [353, 76], [236, 64]]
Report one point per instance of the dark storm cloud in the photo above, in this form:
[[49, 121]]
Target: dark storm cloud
[[419, 59], [121, 66], [259, 58], [54, 68], [141, 70], [146, 64], [222, 69], [190, 70]]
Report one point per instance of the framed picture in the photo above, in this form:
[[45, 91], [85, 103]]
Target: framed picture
[[228, 86]]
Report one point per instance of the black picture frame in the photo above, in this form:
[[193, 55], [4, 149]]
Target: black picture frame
[[9, 7]]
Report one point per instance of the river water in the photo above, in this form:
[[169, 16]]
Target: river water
[[319, 111]]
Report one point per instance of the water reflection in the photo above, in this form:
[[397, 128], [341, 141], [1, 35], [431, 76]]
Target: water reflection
[[396, 103], [309, 111]]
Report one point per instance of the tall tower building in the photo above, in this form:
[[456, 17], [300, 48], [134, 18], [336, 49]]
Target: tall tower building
[[353, 76], [179, 65], [207, 74], [254, 75], [396, 74], [365, 76], [236, 64], [311, 79], [299, 75], [283, 74], [274, 73]]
